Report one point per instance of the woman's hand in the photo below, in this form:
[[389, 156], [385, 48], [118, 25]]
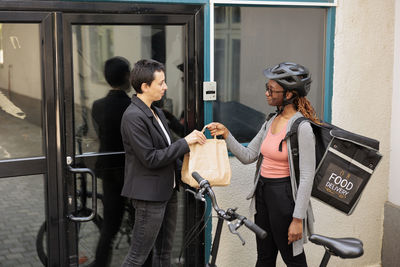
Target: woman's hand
[[195, 137], [295, 230], [217, 128]]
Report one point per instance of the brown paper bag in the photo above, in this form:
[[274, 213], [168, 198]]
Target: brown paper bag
[[210, 161]]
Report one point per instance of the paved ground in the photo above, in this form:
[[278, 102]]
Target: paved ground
[[21, 215], [21, 198]]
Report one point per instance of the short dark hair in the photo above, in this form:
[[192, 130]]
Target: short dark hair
[[116, 71], [143, 72]]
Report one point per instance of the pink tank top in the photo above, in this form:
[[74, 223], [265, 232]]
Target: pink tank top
[[275, 163]]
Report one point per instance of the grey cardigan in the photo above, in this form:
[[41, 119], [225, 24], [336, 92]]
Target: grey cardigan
[[302, 193]]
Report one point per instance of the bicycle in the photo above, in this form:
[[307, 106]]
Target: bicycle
[[235, 220], [341, 247], [345, 248]]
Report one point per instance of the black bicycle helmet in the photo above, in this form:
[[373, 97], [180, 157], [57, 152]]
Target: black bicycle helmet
[[291, 76]]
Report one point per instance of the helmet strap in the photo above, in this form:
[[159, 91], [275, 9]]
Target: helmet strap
[[285, 102]]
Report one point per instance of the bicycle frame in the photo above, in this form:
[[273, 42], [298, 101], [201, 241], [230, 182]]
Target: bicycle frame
[[215, 246], [343, 247], [228, 215], [325, 259]]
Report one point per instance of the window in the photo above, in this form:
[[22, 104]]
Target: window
[[250, 39], [227, 47]]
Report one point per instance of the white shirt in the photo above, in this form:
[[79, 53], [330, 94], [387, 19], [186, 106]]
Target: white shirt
[[163, 129], [166, 135]]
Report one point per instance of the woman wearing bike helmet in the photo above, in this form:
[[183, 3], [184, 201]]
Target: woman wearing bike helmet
[[281, 207]]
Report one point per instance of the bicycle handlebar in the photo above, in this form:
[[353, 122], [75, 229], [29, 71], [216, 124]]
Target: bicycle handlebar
[[255, 228], [231, 214], [200, 180], [205, 185]]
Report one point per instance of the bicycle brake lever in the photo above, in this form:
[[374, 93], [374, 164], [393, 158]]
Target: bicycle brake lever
[[198, 195], [232, 228]]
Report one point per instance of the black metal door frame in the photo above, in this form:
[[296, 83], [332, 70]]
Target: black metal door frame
[[48, 164], [193, 60], [55, 19]]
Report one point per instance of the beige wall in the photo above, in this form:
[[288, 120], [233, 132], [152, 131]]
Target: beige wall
[[362, 90], [394, 184], [362, 103], [21, 72]]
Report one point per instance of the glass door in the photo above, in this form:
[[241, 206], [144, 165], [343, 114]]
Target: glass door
[[28, 156], [94, 150]]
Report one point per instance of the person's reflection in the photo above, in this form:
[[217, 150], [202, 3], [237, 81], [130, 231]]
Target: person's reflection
[[107, 113]]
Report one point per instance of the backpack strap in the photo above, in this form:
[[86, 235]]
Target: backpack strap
[[294, 145]]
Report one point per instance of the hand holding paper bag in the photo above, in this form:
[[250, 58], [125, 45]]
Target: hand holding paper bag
[[195, 137], [210, 160]]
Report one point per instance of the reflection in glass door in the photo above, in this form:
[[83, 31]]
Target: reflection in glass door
[[93, 45], [22, 201], [20, 91], [51, 73], [98, 143]]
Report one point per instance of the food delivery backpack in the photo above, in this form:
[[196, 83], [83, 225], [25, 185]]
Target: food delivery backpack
[[345, 162]]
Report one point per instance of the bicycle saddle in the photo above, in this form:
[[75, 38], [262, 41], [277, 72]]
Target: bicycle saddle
[[347, 247]]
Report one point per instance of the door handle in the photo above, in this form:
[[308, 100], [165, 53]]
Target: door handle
[[94, 195]]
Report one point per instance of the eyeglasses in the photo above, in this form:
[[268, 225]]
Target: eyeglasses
[[270, 90]]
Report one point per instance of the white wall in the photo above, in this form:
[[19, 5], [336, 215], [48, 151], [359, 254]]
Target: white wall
[[361, 103], [394, 181], [362, 94]]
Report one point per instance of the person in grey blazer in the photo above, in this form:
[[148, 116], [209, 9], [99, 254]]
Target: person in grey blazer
[[280, 205], [152, 166]]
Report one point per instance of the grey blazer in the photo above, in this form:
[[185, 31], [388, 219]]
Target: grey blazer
[[302, 193]]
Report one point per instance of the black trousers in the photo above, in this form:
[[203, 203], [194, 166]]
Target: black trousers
[[275, 205], [114, 204], [155, 224]]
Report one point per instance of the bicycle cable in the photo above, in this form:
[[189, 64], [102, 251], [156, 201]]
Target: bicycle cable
[[194, 231]]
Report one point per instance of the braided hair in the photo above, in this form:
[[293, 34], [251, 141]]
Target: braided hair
[[304, 106]]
